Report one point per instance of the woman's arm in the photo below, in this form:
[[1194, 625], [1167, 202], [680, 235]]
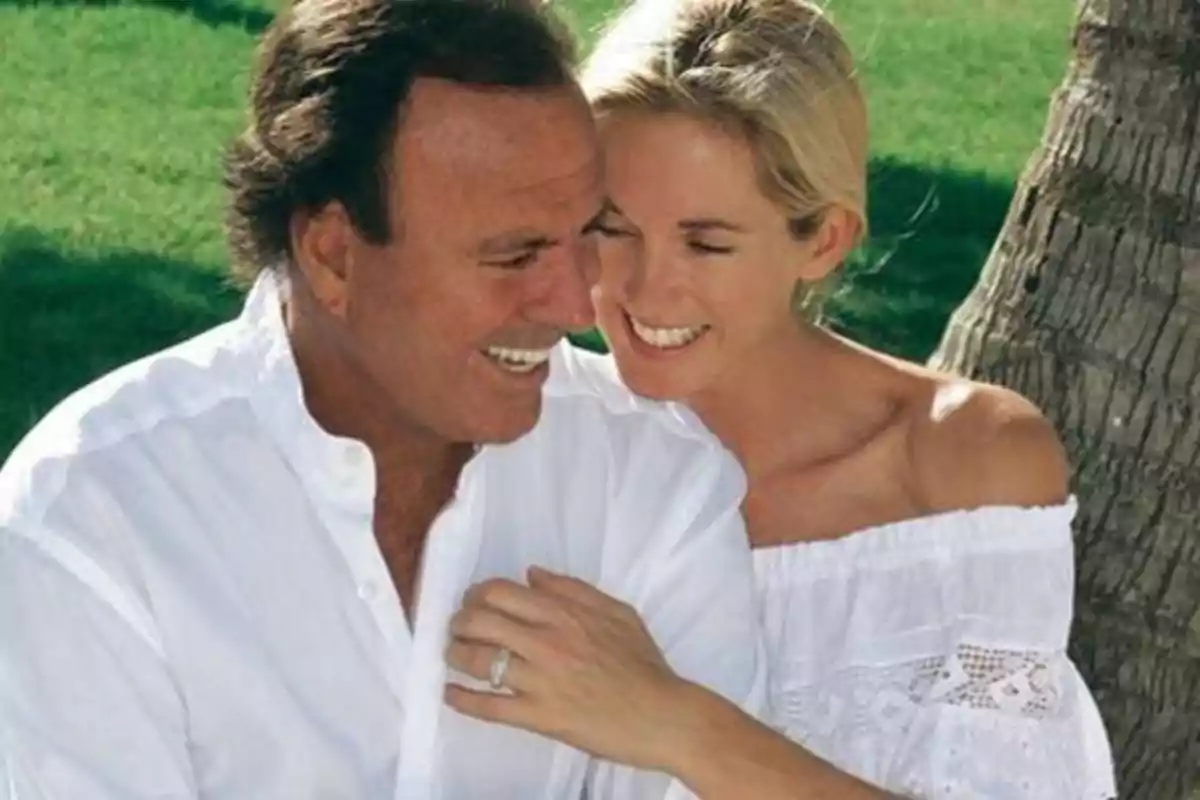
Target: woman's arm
[[727, 755], [585, 671]]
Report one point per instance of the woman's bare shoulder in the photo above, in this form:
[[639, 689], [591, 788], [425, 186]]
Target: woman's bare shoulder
[[975, 444]]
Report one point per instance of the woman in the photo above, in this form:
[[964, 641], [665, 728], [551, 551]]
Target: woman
[[911, 529]]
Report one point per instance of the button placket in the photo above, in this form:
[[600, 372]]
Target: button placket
[[374, 590], [368, 590], [451, 555]]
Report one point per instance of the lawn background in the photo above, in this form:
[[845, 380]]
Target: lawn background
[[114, 116]]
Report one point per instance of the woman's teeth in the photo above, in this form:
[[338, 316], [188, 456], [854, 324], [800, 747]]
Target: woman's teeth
[[515, 360], [666, 338]]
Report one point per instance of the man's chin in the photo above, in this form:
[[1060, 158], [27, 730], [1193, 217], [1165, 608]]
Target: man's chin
[[496, 426]]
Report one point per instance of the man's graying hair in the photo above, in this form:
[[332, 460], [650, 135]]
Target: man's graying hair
[[328, 97]]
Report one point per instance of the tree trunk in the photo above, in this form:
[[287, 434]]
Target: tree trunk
[[1090, 304]]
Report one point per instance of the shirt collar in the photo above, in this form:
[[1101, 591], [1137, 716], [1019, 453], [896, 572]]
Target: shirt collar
[[337, 469]]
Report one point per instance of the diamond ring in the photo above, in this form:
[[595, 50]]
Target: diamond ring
[[498, 668]]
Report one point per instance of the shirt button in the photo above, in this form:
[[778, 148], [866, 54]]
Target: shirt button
[[368, 591]]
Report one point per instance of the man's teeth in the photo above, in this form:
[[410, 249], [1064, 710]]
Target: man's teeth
[[666, 337], [515, 360]]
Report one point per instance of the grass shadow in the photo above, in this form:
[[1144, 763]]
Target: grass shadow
[[931, 232], [213, 13], [68, 317]]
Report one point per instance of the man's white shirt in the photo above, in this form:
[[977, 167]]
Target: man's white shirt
[[193, 603]]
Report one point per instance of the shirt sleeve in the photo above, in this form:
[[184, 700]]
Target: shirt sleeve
[[693, 586], [88, 708]]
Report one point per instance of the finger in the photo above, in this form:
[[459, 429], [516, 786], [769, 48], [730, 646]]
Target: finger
[[476, 660], [513, 710], [482, 625], [577, 591], [518, 601], [471, 658]]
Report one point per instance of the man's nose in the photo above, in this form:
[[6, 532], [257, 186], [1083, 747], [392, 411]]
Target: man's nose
[[566, 303]]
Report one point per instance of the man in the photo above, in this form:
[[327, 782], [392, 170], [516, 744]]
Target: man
[[227, 570]]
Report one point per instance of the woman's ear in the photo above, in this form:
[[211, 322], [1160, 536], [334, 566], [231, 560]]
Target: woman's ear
[[323, 248], [829, 245]]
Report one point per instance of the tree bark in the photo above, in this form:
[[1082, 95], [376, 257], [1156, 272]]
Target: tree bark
[[1090, 305]]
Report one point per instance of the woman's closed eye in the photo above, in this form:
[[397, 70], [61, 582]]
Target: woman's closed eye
[[610, 231]]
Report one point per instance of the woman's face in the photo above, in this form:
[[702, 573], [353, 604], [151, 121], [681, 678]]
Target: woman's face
[[697, 265]]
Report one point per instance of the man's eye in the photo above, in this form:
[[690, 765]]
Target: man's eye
[[516, 262], [710, 249]]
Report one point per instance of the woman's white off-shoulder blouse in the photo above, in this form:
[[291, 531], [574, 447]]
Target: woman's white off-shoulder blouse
[[928, 656]]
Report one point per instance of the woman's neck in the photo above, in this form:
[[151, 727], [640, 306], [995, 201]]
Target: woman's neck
[[806, 399]]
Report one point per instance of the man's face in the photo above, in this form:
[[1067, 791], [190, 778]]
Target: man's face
[[492, 196]]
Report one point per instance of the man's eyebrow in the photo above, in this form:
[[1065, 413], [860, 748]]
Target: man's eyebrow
[[513, 241], [710, 224]]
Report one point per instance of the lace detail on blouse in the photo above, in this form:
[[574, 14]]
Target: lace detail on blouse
[[928, 657], [1017, 682]]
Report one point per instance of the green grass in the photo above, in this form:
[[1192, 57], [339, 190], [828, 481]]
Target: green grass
[[115, 116]]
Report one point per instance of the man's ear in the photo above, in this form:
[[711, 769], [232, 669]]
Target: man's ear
[[830, 244], [323, 251]]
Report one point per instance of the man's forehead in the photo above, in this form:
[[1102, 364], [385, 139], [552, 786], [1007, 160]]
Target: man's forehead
[[509, 140]]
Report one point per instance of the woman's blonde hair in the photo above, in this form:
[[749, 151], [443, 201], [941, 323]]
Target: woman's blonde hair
[[775, 72]]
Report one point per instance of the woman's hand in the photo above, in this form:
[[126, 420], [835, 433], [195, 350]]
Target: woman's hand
[[584, 670]]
